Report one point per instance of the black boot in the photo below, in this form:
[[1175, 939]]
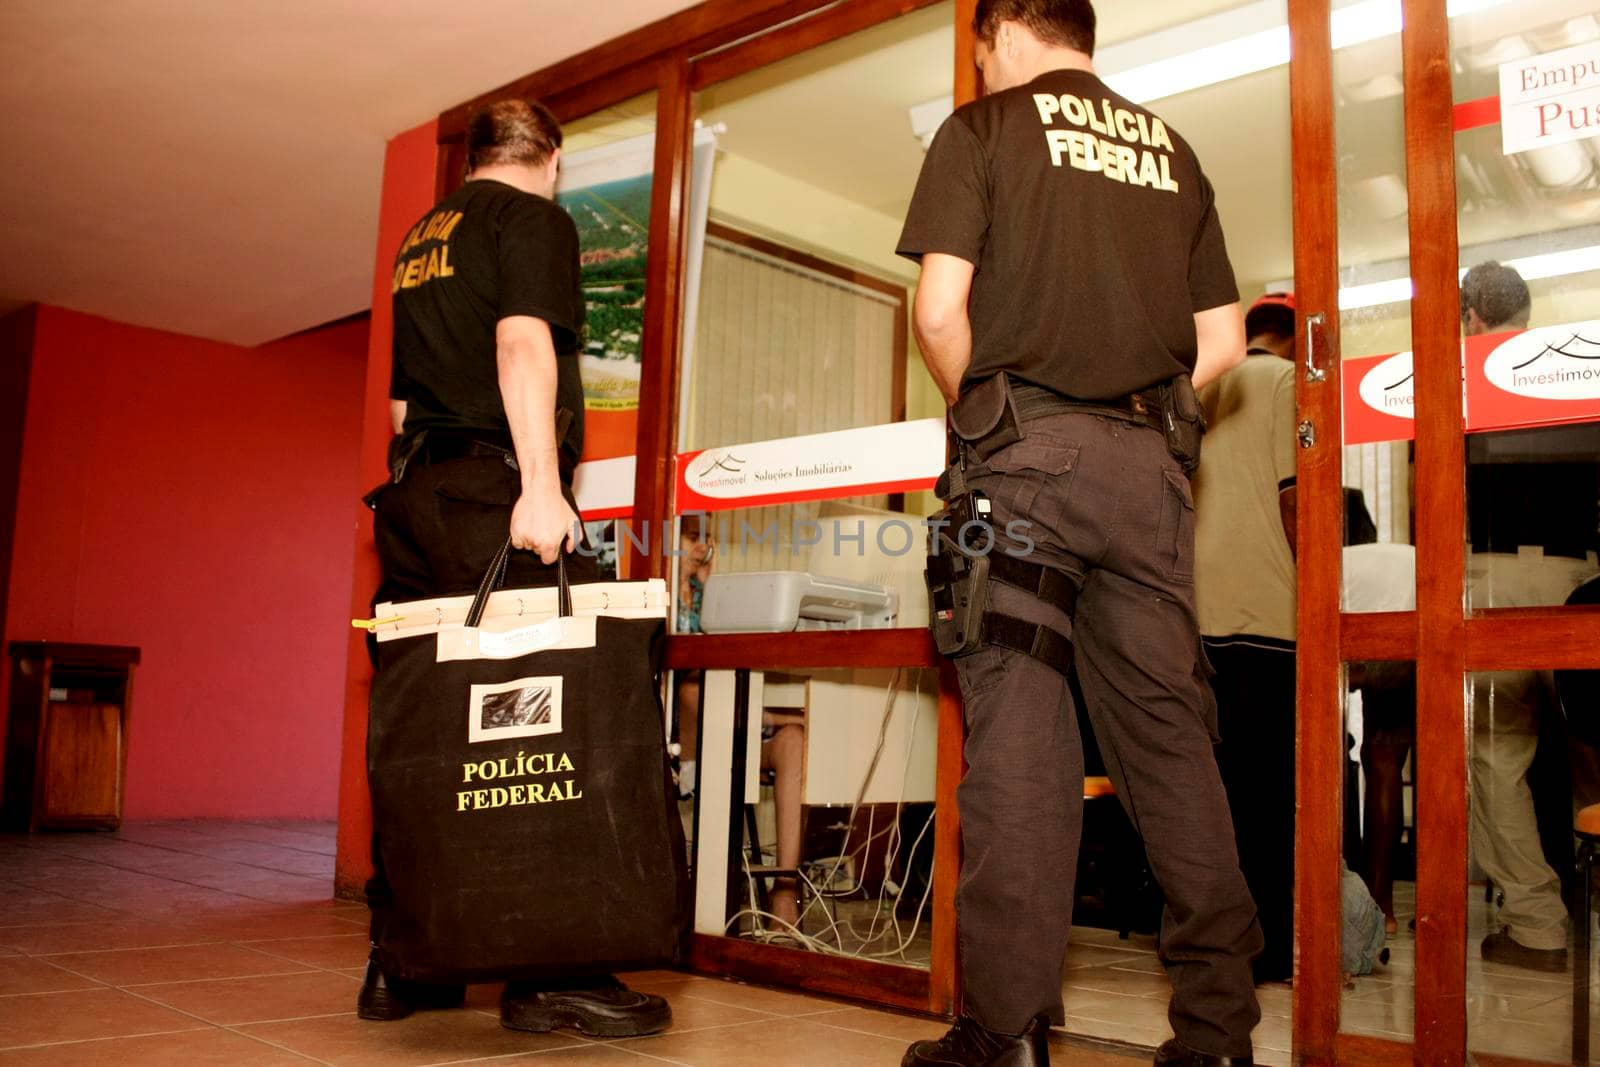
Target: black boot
[[383, 999], [599, 1007], [1176, 1054], [969, 1044]]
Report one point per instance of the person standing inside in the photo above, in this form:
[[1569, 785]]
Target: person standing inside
[[1244, 500], [487, 408], [1529, 929], [1073, 277]]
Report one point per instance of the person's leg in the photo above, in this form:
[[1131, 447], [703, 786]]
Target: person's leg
[[1255, 690], [688, 689], [405, 575], [1153, 726], [785, 754], [1584, 759], [1021, 806], [1383, 764], [1389, 732], [1505, 839], [1138, 658], [1021, 800]]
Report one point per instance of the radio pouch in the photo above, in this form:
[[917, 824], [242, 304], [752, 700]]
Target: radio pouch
[[985, 417], [1183, 421]]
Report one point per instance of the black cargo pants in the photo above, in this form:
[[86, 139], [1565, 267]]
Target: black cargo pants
[[1104, 502]]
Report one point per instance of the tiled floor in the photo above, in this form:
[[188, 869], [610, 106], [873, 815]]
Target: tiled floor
[[218, 943], [1511, 1011], [1117, 990]]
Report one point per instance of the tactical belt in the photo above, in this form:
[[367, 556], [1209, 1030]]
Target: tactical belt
[[442, 446], [427, 447], [1035, 402]]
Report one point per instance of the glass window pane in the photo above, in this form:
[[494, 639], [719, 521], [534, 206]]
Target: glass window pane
[[1528, 186], [1374, 306], [1378, 879], [800, 321], [1528, 189], [1528, 773], [835, 771], [853, 563], [797, 324]]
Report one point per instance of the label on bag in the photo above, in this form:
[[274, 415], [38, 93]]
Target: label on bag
[[527, 707], [478, 643], [531, 778], [522, 640]]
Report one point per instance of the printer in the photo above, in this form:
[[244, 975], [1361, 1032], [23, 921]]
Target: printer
[[777, 601], [863, 572]]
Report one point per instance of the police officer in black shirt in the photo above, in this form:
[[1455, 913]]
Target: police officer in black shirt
[[1074, 279], [487, 408]]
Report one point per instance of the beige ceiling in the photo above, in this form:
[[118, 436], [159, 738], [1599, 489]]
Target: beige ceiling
[[213, 168]]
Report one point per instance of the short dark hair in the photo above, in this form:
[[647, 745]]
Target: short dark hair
[[512, 131], [1059, 22], [1497, 293]]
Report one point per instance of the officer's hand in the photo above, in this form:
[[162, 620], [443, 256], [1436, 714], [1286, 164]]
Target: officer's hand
[[544, 522]]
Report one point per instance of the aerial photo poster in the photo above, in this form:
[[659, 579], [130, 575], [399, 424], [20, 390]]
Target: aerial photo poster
[[606, 190]]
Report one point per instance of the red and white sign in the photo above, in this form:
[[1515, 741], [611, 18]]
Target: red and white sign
[[1379, 399], [1541, 377], [900, 457], [1544, 377], [1550, 99]]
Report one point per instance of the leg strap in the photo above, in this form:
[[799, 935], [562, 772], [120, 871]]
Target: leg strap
[[1038, 581], [1032, 639]]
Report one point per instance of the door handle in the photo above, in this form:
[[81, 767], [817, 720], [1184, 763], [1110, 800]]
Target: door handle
[[1313, 372]]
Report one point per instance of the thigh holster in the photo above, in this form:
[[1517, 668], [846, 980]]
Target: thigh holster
[[958, 593]]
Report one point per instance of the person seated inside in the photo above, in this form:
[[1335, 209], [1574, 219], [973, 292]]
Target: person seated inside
[[782, 730], [698, 547], [783, 750]]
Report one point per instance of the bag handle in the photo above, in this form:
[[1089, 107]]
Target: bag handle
[[495, 578]]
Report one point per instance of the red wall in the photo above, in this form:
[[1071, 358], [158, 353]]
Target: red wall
[[194, 499], [408, 182]]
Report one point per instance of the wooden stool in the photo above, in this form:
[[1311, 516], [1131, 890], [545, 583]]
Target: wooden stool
[[1096, 787], [1587, 827]]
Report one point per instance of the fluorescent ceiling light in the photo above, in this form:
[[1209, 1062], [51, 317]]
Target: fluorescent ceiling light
[[1204, 66], [1374, 294], [1532, 268], [1215, 49], [1555, 264], [1251, 53]]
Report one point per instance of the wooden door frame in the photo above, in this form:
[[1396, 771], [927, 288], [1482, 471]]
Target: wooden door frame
[[937, 990], [1445, 641], [1319, 743]]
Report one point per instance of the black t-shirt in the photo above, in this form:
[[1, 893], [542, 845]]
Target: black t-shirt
[[1092, 228], [485, 252]]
